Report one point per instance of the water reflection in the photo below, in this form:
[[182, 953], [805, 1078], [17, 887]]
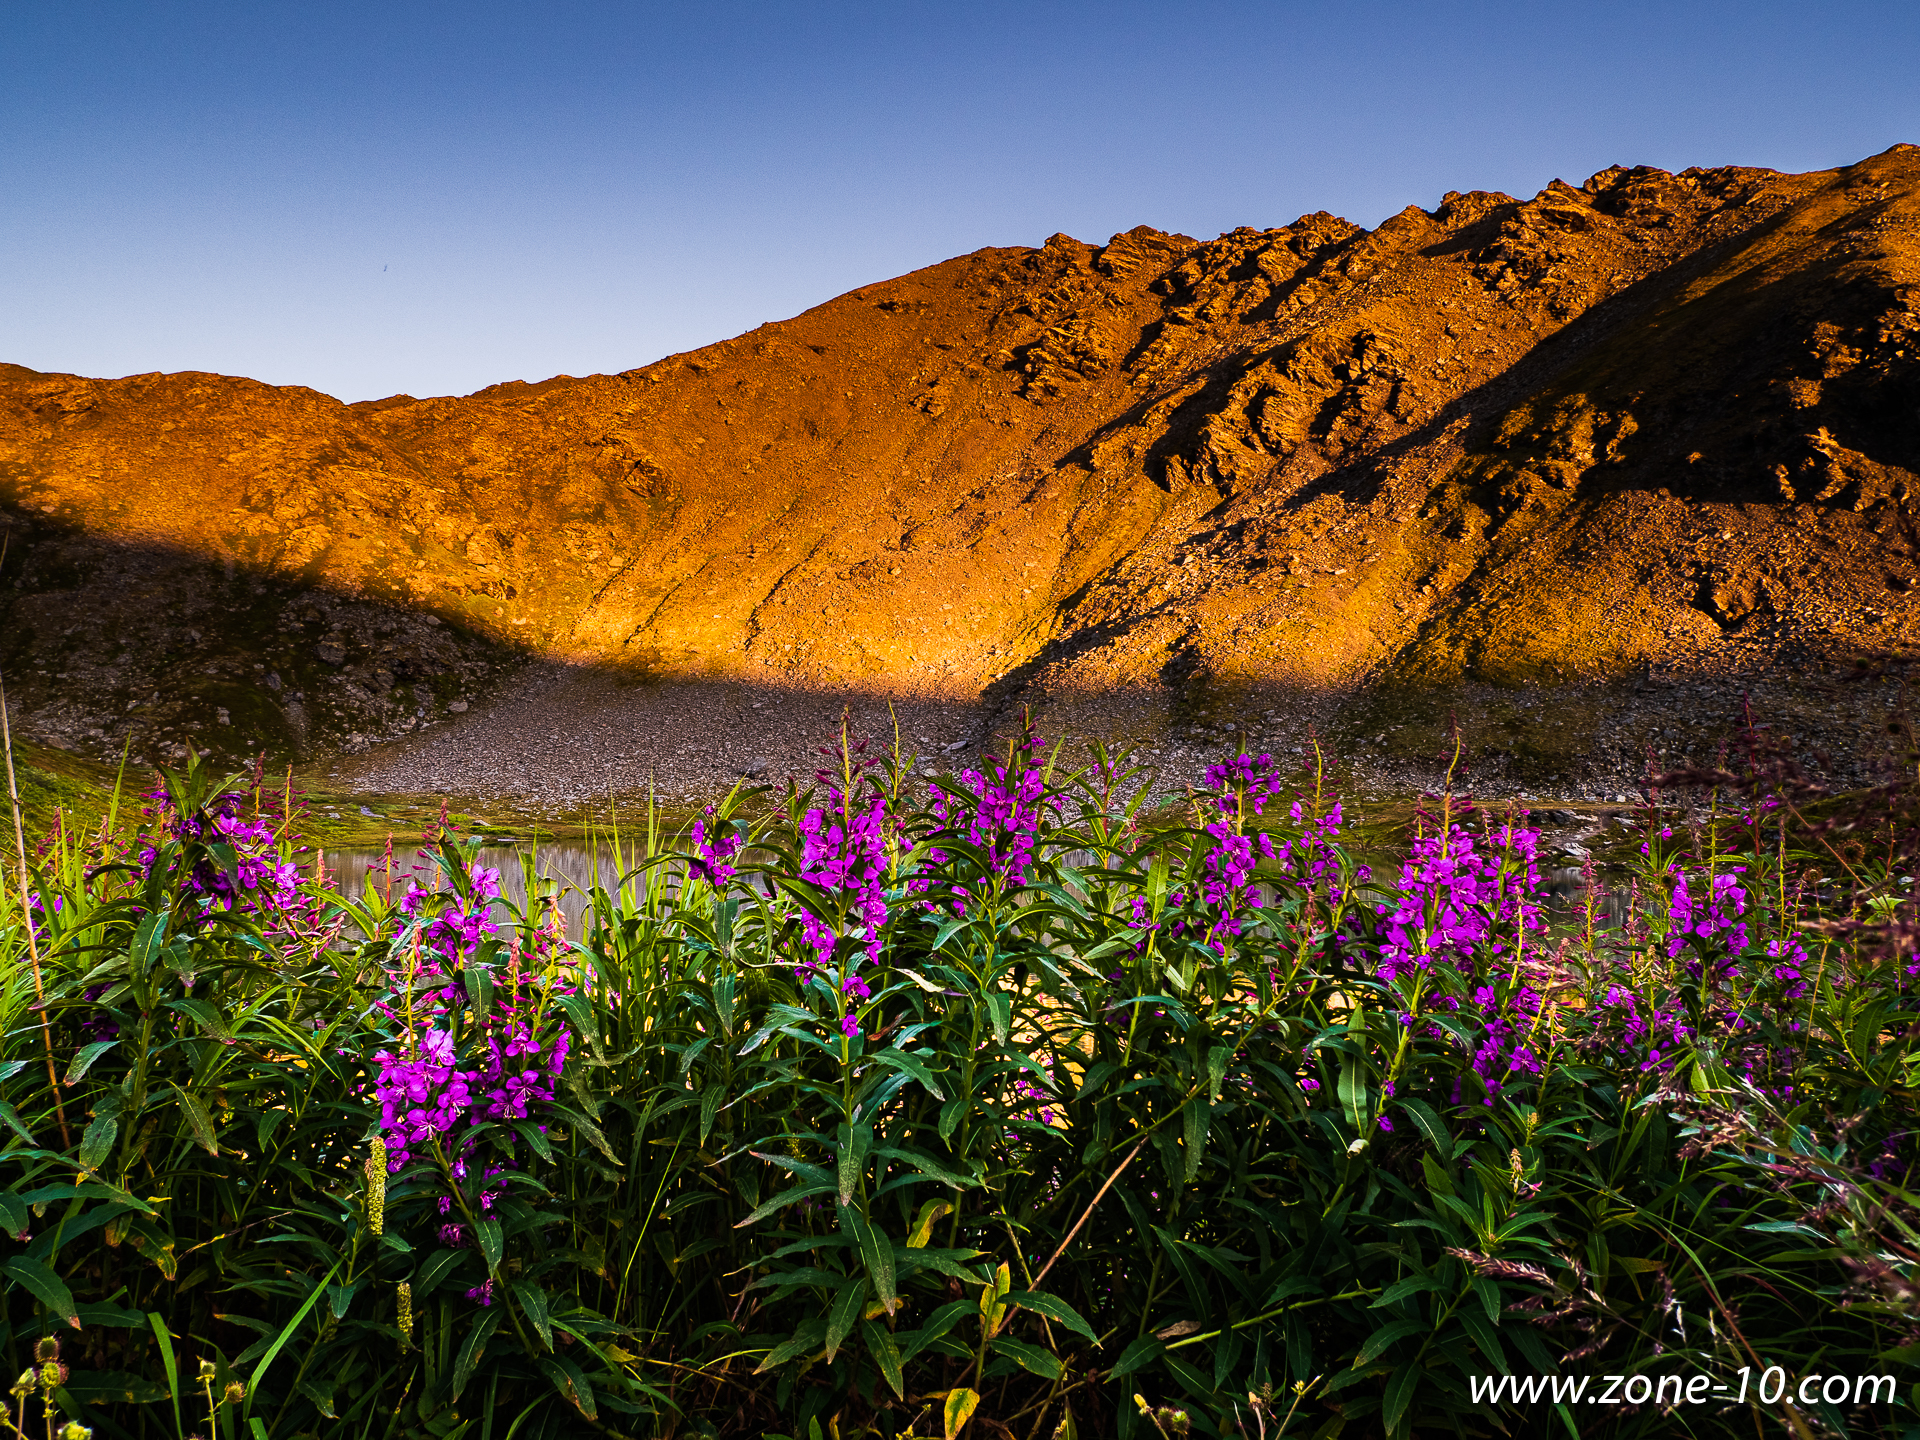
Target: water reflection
[[575, 866]]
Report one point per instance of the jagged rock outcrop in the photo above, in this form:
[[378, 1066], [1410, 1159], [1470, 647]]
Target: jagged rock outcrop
[[1652, 420]]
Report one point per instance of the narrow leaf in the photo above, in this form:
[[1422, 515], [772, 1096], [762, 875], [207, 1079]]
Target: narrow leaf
[[1139, 1353], [1377, 1343], [1054, 1308], [97, 1143], [959, 1409], [876, 1253], [922, 1225], [1028, 1357], [568, 1380], [471, 1352], [533, 1300], [45, 1286], [12, 1120], [260, 1370], [1399, 1395], [886, 1355], [84, 1057], [846, 1310], [486, 1234], [1430, 1124], [198, 1120]]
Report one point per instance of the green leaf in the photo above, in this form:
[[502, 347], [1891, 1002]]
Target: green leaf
[[1385, 1336], [479, 982], [946, 931], [809, 1336], [1353, 1092], [1430, 1123], [533, 1300], [784, 1199], [470, 1353], [1485, 1338], [1217, 1059], [198, 1120], [111, 1387], [876, 1253], [434, 1271], [911, 1065], [84, 1057], [568, 1380], [1054, 1308], [97, 1143], [1399, 1395], [591, 1129], [852, 1158], [115, 1315], [146, 941], [886, 1355], [11, 1118], [203, 1014], [260, 1370], [1000, 1012], [486, 1234], [950, 1114], [1401, 1289], [1029, 1357], [923, 1223], [164, 1340], [847, 1306], [536, 1141], [45, 1286], [1195, 1120], [1141, 1352], [958, 1410]]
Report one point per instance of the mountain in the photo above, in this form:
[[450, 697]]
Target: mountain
[[1653, 425]]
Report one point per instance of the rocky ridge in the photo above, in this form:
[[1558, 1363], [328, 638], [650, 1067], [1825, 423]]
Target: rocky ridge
[[1617, 454]]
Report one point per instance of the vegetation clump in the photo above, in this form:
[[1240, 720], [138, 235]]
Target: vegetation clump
[[988, 1107]]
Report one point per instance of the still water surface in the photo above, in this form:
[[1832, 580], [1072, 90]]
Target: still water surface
[[573, 865], [577, 868]]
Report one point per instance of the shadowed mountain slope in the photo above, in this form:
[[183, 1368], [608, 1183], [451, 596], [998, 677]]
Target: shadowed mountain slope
[[1653, 421]]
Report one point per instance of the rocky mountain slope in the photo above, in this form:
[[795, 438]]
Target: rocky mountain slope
[[1654, 426]]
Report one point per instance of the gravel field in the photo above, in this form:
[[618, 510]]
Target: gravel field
[[559, 741]]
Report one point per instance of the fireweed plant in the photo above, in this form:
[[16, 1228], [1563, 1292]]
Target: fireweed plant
[[999, 1105]]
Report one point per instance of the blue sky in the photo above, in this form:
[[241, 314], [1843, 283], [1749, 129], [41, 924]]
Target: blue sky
[[372, 198]]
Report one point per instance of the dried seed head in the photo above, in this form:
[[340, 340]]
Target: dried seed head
[[234, 1393], [46, 1348], [52, 1376]]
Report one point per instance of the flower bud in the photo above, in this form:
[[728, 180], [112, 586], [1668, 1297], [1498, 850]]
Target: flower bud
[[46, 1348], [207, 1371], [74, 1430], [377, 1186], [52, 1376], [404, 1299], [24, 1385]]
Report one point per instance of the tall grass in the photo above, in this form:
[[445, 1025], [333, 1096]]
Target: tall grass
[[991, 1108]]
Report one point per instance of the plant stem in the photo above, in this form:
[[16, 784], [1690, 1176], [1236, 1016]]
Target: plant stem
[[26, 918]]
